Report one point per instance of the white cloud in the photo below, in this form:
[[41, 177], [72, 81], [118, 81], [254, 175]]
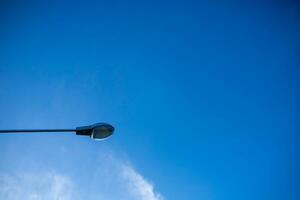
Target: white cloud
[[137, 185], [49, 186], [112, 179]]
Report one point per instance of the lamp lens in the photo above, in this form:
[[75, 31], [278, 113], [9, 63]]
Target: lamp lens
[[102, 132]]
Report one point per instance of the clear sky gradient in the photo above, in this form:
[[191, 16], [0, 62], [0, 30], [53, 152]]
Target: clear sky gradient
[[204, 96]]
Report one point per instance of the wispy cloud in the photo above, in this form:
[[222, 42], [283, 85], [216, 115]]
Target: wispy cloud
[[117, 180], [138, 186], [48, 186]]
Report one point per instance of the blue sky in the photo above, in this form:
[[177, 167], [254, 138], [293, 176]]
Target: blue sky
[[204, 97]]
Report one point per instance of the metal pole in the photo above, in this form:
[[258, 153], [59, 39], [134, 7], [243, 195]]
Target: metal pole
[[37, 130]]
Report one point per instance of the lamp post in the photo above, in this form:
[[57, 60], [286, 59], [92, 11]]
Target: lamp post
[[98, 131]]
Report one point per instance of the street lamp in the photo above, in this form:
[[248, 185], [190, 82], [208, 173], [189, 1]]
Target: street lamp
[[97, 131]]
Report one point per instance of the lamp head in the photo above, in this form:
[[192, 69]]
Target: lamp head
[[97, 131]]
